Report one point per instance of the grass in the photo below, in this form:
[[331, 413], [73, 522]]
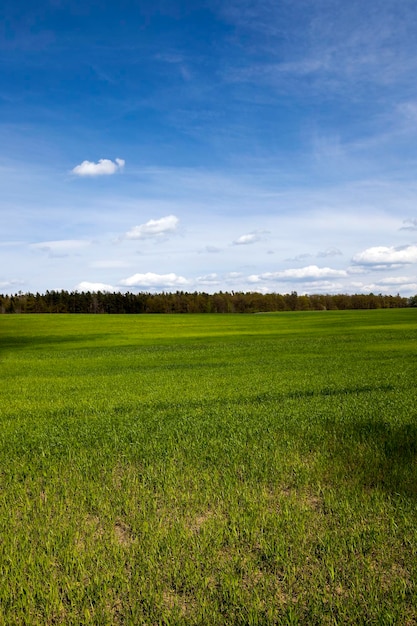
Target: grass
[[256, 469]]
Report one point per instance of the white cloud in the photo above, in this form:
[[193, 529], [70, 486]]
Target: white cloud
[[62, 247], [408, 287], [245, 240], [154, 228], [233, 275], [311, 272], [323, 286], [383, 257], [390, 284], [388, 288], [104, 167], [209, 279], [352, 269], [154, 280], [87, 286], [397, 280]]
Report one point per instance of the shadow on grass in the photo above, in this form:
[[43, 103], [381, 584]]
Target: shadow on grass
[[255, 400], [379, 454], [16, 342]]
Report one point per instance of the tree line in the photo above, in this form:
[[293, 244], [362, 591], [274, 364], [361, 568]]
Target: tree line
[[197, 302]]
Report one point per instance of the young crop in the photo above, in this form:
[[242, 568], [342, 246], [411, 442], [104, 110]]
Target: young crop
[[237, 469]]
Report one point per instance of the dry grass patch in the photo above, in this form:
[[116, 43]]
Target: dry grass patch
[[90, 530], [178, 603], [123, 533], [196, 525]]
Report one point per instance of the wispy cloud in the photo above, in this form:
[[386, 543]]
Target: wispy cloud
[[330, 252], [11, 244], [104, 167], [323, 286], [61, 248], [331, 46], [236, 148], [410, 224], [209, 279], [154, 228], [109, 264], [408, 110], [322, 254], [211, 250], [6, 285], [300, 257]]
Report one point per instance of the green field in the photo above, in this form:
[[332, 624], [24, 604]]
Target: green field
[[212, 469]]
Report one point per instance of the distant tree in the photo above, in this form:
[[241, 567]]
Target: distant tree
[[184, 302]]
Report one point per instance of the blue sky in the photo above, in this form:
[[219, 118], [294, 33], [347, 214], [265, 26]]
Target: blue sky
[[205, 146]]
